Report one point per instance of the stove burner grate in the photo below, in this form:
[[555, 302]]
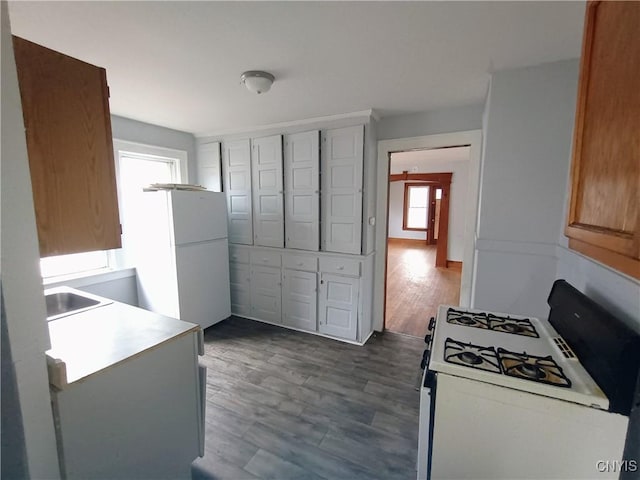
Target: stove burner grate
[[534, 368], [469, 355], [491, 321]]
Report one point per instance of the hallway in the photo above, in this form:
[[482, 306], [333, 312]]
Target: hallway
[[415, 287]]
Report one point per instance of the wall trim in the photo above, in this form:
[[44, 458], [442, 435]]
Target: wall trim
[[385, 148], [365, 114]]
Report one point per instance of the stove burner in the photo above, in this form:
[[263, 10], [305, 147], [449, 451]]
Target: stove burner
[[466, 320], [533, 368], [469, 355], [470, 358], [512, 328], [531, 371]]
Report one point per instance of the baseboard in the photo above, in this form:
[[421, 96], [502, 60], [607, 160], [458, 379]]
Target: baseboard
[[454, 265], [407, 241]]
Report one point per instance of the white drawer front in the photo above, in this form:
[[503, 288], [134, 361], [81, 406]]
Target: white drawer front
[[340, 266], [269, 259], [238, 254], [307, 263]]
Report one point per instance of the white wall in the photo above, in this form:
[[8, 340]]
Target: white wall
[[428, 161], [456, 119], [528, 130], [23, 309]]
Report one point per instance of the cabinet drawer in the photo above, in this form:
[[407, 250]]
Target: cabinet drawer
[[307, 263], [340, 266], [238, 254], [262, 257]]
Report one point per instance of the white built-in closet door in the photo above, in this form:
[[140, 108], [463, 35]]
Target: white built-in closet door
[[302, 190], [342, 158], [236, 169], [338, 305], [209, 166], [266, 172]]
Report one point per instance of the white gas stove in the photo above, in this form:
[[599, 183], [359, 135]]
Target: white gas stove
[[522, 353], [505, 396]]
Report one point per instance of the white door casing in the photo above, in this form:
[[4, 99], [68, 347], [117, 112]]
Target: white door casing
[[266, 293], [266, 174], [299, 297], [236, 168], [209, 160], [338, 305], [342, 165], [302, 190]]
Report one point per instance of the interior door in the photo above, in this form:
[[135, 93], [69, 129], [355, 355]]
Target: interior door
[[338, 305], [236, 168], [302, 190], [299, 298], [342, 158], [266, 169]]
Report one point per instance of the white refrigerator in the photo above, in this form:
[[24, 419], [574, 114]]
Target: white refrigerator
[[182, 255]]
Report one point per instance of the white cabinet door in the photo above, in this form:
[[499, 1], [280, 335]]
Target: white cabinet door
[[266, 293], [240, 275], [236, 168], [209, 166], [302, 190], [299, 299], [266, 173], [342, 163], [338, 305]]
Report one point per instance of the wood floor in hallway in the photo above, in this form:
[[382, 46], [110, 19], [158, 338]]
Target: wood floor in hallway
[[415, 287]]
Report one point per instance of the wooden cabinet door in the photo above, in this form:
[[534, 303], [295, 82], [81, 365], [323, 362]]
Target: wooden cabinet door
[[302, 190], [236, 169], [65, 104], [603, 215], [299, 298], [342, 162], [266, 177], [209, 167], [266, 293], [338, 306], [240, 284]]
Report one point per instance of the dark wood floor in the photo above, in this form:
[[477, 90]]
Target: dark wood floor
[[288, 405], [415, 287]]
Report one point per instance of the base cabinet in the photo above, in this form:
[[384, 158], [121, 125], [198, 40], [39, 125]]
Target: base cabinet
[[299, 298], [240, 285], [266, 293], [338, 305], [316, 293]]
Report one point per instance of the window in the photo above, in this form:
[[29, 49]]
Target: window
[[74, 263], [138, 166], [416, 206]]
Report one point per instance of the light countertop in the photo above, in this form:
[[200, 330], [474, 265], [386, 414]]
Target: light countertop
[[86, 343]]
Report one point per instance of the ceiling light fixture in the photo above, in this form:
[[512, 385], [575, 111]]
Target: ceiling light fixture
[[257, 81]]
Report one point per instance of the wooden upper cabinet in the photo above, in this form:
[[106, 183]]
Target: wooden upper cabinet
[[603, 221], [65, 105]]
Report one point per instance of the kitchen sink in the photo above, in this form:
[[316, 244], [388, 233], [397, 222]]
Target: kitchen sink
[[65, 301]]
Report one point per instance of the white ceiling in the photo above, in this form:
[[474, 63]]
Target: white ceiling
[[178, 63]]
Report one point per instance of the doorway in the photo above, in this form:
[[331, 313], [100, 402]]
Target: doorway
[[426, 205]]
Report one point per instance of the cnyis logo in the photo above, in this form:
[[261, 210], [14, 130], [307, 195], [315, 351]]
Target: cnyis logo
[[616, 466]]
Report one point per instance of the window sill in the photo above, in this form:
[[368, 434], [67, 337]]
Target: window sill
[[92, 277]]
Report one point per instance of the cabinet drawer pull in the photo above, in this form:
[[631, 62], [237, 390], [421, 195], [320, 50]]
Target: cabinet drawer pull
[[340, 267], [300, 264]]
